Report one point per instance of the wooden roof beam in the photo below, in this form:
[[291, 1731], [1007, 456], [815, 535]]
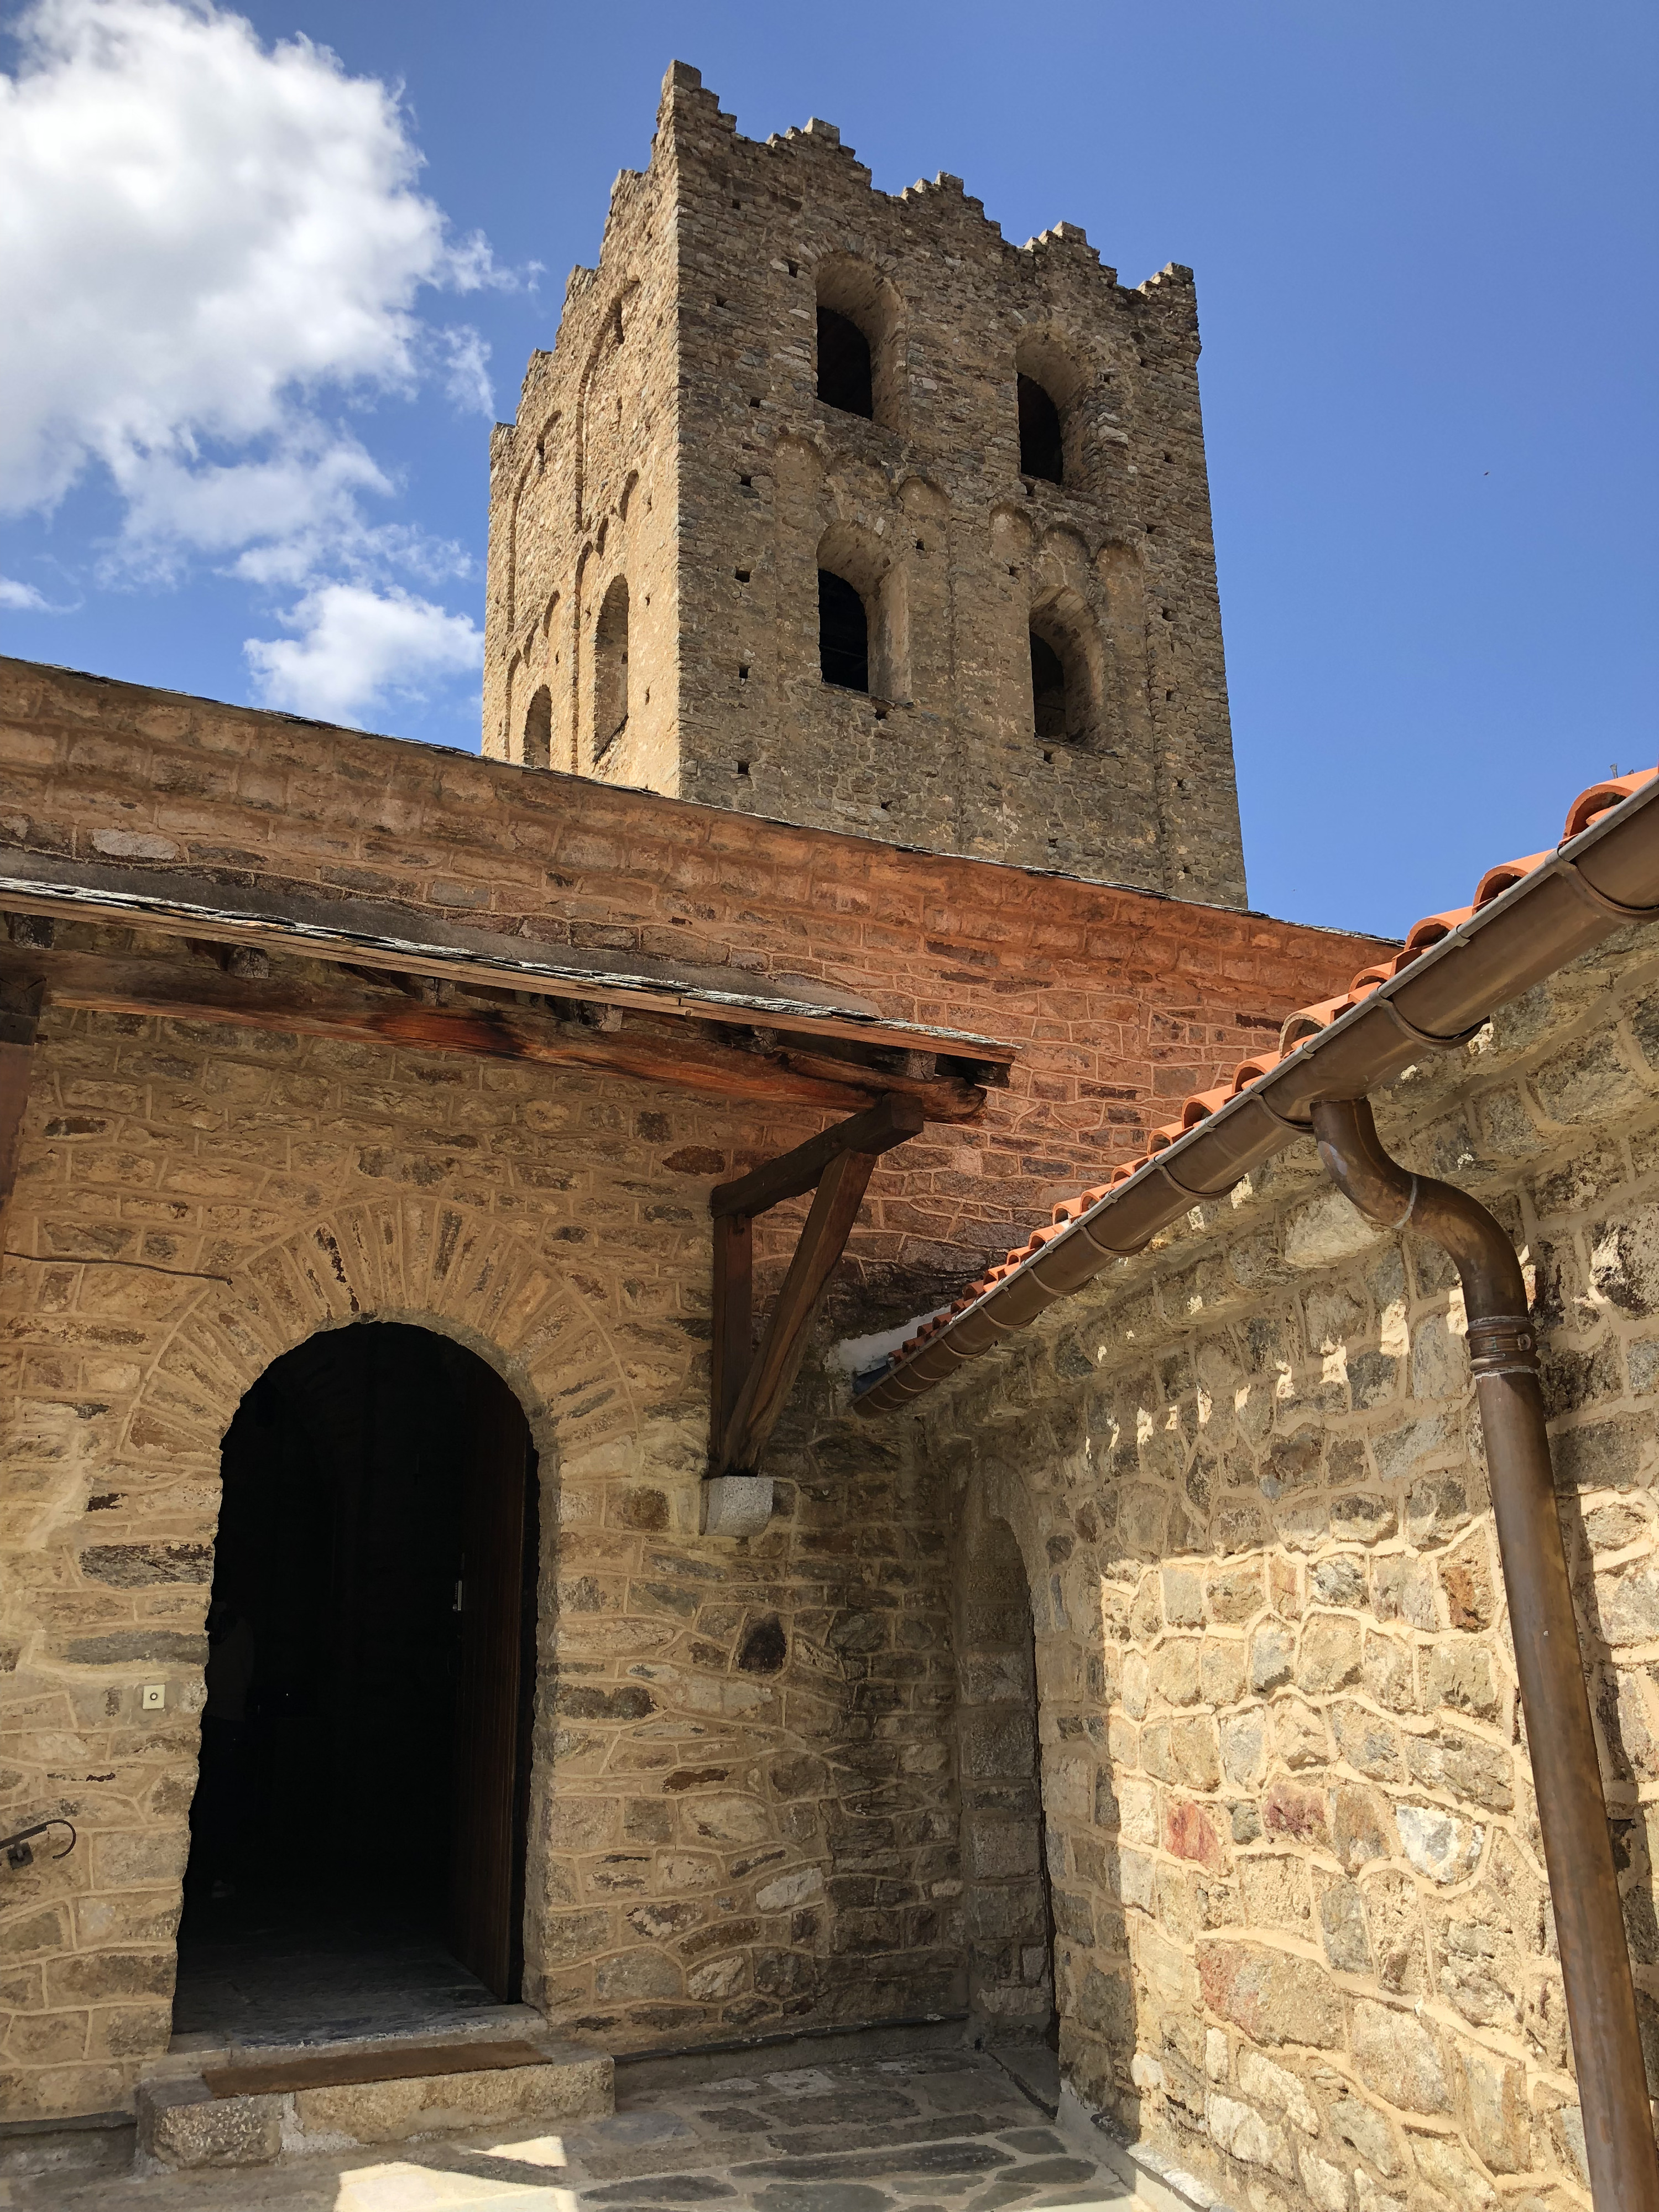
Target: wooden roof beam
[[409, 943], [681, 1053]]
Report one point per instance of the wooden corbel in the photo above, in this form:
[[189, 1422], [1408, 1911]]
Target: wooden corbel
[[749, 1387]]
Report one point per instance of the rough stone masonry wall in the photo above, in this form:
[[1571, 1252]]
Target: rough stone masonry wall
[[716, 1845], [741, 1817], [1305, 1942], [757, 483], [583, 490]]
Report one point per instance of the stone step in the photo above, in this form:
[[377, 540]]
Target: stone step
[[268, 2105], [1151, 2181], [90, 2143], [1034, 2067]]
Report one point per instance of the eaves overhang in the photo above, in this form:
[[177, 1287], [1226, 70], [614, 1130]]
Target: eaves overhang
[[500, 996], [1538, 914]]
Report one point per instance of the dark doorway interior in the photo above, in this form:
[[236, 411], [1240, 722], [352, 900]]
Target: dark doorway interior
[[357, 1845]]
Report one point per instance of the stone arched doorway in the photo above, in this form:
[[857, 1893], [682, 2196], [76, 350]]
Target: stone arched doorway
[[357, 1849], [1008, 1913]]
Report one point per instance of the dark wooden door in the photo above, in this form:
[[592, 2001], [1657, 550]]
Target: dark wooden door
[[498, 1597]]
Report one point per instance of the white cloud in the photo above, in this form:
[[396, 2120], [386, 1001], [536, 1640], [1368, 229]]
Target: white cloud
[[356, 645], [466, 369], [196, 236], [284, 503], [24, 598], [208, 249]]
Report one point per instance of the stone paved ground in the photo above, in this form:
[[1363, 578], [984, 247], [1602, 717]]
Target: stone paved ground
[[939, 2131]]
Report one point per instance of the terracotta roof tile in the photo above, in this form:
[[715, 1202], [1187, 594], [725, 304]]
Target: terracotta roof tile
[[1263, 1063], [1204, 1102], [1430, 930], [1600, 797], [1500, 878], [1305, 1022]]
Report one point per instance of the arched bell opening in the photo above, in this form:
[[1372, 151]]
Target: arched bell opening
[[860, 318], [1049, 385], [846, 371], [863, 619], [1041, 439], [843, 633], [1049, 710], [1067, 671]]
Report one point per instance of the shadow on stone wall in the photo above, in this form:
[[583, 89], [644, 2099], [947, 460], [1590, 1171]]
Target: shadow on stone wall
[[1008, 1914]]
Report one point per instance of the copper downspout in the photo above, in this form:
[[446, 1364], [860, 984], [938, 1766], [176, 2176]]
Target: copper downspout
[[1589, 1922]]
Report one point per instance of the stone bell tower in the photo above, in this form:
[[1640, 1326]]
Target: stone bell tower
[[831, 505]]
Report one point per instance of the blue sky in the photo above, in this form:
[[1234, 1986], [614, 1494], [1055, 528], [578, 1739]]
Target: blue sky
[[251, 455]]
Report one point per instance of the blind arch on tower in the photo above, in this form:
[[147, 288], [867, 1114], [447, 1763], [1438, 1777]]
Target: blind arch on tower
[[610, 667]]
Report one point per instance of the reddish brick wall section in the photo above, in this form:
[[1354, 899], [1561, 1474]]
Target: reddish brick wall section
[[1121, 1001]]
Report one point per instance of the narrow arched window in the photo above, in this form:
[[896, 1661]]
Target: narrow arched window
[[843, 634], [538, 731], [1049, 700], [846, 377], [611, 666], [1041, 453]]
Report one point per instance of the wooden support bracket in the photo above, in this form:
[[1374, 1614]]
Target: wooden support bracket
[[19, 1014], [750, 1388]]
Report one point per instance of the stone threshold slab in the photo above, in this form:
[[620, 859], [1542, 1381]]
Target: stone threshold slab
[[256, 2114], [81, 2143], [345, 2069], [197, 2050]]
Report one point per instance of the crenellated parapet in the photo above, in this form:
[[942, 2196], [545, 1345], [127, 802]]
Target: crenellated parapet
[[833, 504]]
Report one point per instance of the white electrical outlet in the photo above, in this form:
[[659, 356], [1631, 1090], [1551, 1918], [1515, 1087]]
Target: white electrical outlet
[[152, 1698]]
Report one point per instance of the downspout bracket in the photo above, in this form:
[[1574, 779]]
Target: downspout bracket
[[1502, 1344]]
